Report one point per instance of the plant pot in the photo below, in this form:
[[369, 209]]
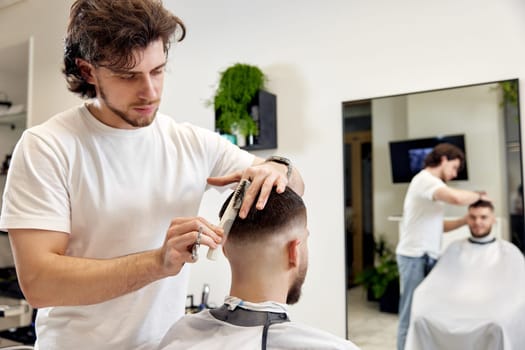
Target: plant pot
[[241, 139], [389, 302], [370, 295], [230, 137]]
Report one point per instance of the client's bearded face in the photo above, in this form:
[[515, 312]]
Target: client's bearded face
[[480, 221], [294, 293]]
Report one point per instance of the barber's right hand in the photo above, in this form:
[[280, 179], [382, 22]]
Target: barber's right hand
[[483, 196], [182, 235]]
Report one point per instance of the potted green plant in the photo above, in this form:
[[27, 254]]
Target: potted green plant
[[238, 85], [382, 280]]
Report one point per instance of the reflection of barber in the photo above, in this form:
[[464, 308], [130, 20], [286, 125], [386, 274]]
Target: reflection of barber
[[423, 223], [473, 299]]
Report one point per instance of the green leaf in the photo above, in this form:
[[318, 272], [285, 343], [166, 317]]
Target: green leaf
[[238, 86], [384, 271]]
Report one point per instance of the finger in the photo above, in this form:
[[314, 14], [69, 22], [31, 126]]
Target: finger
[[250, 195], [265, 191], [216, 233], [195, 250], [181, 226], [281, 184], [184, 248], [190, 256], [205, 237], [225, 180]]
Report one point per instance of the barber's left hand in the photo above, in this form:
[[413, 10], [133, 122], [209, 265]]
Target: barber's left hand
[[263, 176]]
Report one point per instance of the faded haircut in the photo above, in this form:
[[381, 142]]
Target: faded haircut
[[106, 33], [280, 211], [448, 150]]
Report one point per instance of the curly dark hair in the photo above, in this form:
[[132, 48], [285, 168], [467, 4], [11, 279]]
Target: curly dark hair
[[107, 32], [448, 150]]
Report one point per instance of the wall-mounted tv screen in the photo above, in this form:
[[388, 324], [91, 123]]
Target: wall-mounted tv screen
[[407, 156]]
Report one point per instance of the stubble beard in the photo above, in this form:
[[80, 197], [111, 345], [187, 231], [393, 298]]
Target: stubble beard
[[294, 293], [138, 123], [484, 234]]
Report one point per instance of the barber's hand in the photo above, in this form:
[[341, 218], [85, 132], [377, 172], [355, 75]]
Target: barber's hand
[[181, 237], [483, 196], [263, 177]]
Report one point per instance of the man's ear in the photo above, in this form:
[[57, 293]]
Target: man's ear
[[293, 253], [86, 69]]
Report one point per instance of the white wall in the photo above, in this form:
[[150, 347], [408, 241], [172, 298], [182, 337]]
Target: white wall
[[389, 123], [475, 112], [46, 22], [14, 61], [316, 54]]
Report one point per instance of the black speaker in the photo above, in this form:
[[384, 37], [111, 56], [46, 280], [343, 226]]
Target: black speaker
[[263, 110]]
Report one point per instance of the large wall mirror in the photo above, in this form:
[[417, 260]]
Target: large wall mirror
[[485, 115]]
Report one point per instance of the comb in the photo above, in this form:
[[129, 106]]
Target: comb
[[229, 215]]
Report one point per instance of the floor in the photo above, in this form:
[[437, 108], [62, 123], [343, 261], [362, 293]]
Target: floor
[[369, 328]]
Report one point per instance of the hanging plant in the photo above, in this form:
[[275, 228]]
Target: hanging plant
[[238, 86]]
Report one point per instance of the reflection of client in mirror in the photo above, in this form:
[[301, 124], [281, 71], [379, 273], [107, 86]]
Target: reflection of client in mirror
[[473, 299], [423, 223], [268, 256]]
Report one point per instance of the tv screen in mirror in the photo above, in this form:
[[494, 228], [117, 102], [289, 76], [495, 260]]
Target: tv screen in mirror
[[407, 157]]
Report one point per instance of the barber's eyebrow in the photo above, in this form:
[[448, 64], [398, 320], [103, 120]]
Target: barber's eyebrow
[[131, 71]]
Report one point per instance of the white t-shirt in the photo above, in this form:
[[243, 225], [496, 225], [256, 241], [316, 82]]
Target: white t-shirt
[[114, 192], [204, 331], [422, 224]]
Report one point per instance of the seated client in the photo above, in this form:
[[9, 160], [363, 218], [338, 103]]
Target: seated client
[[268, 256], [474, 299]]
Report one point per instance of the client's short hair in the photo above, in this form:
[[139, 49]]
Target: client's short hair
[[482, 204], [281, 210]]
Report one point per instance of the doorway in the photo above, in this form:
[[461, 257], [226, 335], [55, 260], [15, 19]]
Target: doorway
[[358, 188]]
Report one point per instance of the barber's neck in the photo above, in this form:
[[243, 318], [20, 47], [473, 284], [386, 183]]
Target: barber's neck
[[436, 171]]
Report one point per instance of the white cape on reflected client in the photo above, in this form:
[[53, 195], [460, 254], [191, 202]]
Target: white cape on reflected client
[[474, 299]]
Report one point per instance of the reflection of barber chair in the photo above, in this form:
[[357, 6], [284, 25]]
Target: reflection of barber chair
[[472, 300]]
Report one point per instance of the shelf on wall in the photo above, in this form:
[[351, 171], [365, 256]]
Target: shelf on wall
[[263, 109], [13, 120]]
